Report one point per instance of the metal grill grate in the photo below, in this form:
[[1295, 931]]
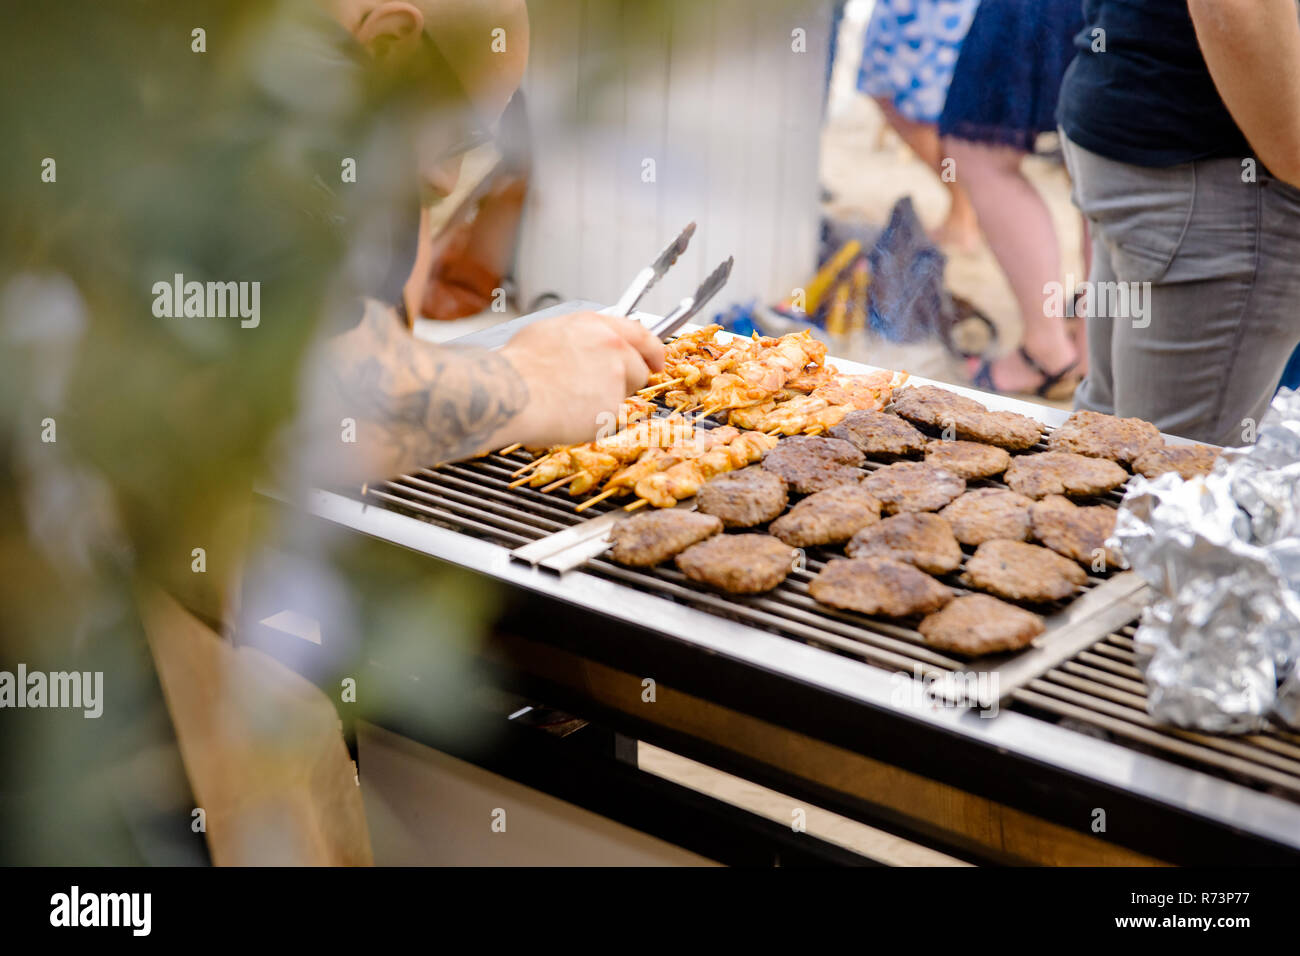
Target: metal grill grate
[[1099, 689]]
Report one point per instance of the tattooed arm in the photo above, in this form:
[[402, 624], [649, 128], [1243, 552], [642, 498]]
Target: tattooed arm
[[416, 404]]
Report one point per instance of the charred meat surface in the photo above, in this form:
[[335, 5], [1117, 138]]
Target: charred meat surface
[[936, 407], [940, 408], [878, 433], [1063, 473], [743, 498], [923, 540], [812, 464], [1004, 429], [1022, 572], [738, 563], [828, 517], [1075, 532], [967, 459], [913, 486], [1104, 436], [1187, 460], [646, 539], [977, 624], [878, 586], [985, 514]]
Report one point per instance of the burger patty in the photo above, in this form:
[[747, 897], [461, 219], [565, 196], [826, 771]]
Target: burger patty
[[923, 540], [985, 514], [646, 539], [1104, 436], [1078, 533], [913, 486], [1063, 473], [940, 408], [977, 624], [812, 464], [738, 563], [967, 459], [828, 517], [933, 406], [743, 498], [1022, 572], [878, 586], [1004, 429], [1187, 460], [878, 433]]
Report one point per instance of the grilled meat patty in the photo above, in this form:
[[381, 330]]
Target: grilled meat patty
[[878, 433], [1104, 436], [743, 498], [984, 514], [1187, 460], [923, 540], [977, 624], [646, 539], [1004, 429], [1063, 473], [1022, 572], [1076, 532], [933, 406], [811, 464], [878, 586], [738, 563], [913, 486], [967, 459], [940, 408], [828, 517]]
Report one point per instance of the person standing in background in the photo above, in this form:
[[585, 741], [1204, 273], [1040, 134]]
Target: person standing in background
[[1004, 93], [908, 56], [1181, 128]]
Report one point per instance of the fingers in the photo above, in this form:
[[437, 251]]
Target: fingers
[[640, 338], [635, 371]]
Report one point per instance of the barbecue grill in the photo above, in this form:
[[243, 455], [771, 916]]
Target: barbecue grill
[[1057, 763]]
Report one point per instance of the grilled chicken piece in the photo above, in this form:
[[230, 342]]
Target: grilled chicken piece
[[645, 540]]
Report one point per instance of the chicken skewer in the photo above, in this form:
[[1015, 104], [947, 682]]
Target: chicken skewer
[[665, 488]]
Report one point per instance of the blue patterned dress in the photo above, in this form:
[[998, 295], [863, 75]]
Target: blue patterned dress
[[910, 51]]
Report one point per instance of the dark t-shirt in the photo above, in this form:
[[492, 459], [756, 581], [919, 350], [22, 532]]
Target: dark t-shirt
[[1148, 99]]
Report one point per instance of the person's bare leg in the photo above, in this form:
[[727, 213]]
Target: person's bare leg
[[960, 230], [1018, 227]]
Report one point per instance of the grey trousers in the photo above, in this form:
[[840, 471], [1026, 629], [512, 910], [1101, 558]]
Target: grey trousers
[[1195, 282]]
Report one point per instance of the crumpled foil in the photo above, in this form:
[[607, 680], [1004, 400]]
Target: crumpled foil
[[1220, 648]]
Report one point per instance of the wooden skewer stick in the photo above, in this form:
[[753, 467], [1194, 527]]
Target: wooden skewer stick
[[651, 389], [639, 503], [561, 482], [520, 481], [528, 467], [713, 410], [772, 432], [511, 448], [816, 430], [608, 493]]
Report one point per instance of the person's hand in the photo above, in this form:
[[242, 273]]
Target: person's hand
[[577, 367]]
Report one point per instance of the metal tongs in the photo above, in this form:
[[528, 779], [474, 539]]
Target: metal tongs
[[652, 273]]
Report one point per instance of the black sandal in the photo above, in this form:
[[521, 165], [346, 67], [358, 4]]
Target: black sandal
[[983, 379]]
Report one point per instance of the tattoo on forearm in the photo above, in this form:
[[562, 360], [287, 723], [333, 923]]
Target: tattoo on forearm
[[423, 404]]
